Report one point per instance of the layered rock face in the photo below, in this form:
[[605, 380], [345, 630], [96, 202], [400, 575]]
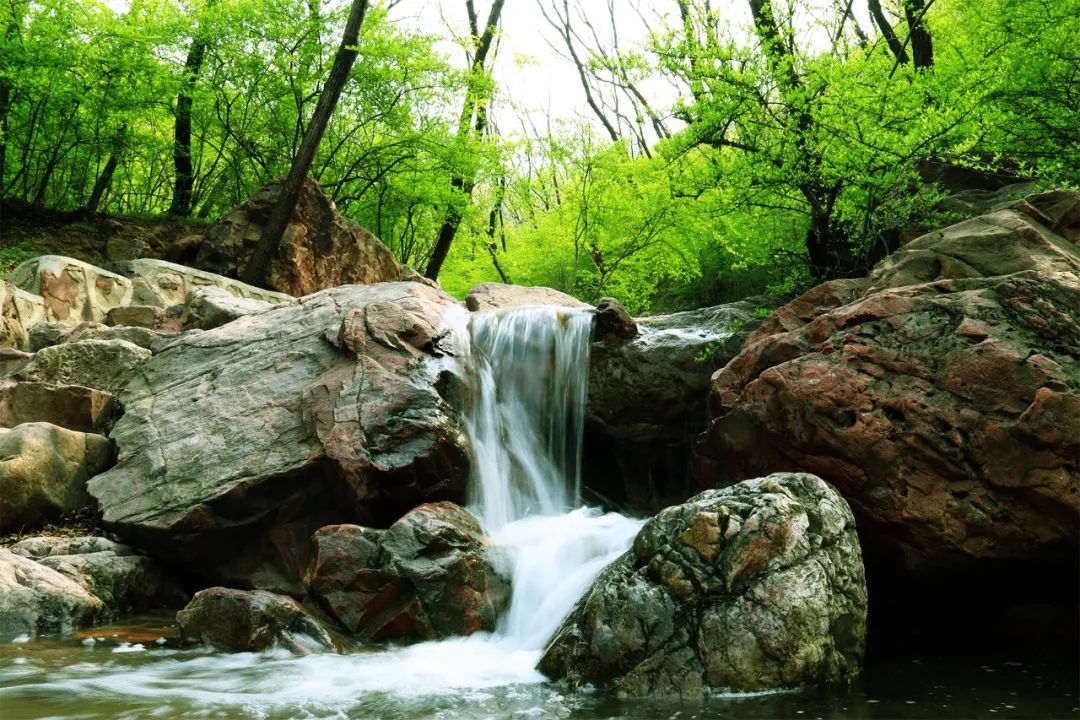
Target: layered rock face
[[748, 588], [320, 248], [239, 442], [648, 386], [430, 575], [941, 397]]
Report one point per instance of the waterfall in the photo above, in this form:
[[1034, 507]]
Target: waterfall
[[527, 370]]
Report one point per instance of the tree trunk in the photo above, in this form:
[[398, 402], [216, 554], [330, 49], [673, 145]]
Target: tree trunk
[[106, 176], [184, 179], [922, 47], [474, 104], [887, 31], [258, 268]]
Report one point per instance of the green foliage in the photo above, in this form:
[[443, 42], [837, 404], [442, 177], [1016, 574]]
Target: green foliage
[[11, 257]]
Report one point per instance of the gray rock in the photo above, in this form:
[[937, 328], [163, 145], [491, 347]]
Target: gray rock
[[211, 307], [250, 621], [72, 291], [164, 284], [491, 295], [100, 364], [143, 337], [429, 576], [37, 599], [43, 472], [647, 400], [123, 580], [10, 357], [238, 443], [753, 587]]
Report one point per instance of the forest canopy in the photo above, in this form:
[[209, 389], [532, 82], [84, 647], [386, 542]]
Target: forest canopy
[[797, 140]]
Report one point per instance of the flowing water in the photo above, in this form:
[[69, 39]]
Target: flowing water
[[527, 376]]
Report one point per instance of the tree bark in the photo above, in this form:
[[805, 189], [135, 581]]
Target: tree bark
[[922, 47], [887, 31], [258, 268], [474, 104], [184, 182], [106, 176]]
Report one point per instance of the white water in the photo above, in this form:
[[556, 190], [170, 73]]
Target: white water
[[527, 373]]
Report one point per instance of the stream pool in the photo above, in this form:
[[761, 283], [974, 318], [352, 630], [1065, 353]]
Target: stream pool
[[128, 672]]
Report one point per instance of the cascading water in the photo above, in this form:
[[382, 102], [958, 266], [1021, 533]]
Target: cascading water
[[527, 370]]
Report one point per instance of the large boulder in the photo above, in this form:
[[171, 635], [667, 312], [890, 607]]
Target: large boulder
[[320, 249], [44, 470], [99, 364], [429, 576], [238, 443], [753, 587], [37, 599], [211, 307], [648, 386], [74, 407], [943, 401], [73, 291], [123, 580], [492, 296], [250, 621], [165, 284]]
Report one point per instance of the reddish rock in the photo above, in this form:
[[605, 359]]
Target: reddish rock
[[320, 248], [70, 406], [250, 621], [428, 576], [946, 412]]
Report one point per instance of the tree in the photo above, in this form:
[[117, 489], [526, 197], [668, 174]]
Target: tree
[[184, 172], [474, 120], [258, 266]]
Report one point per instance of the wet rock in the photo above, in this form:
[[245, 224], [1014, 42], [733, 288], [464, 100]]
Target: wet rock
[[753, 587], [44, 470], [166, 284], [613, 322], [429, 576], [250, 621], [211, 307], [37, 599], [238, 443], [99, 364], [69, 406], [320, 249], [647, 402], [123, 580], [947, 412], [72, 291], [491, 295]]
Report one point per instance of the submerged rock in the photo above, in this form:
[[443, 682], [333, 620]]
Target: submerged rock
[[752, 587], [44, 470], [238, 443], [250, 621], [429, 576]]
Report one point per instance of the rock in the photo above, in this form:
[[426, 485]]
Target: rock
[[250, 621], [491, 295], [647, 402], [10, 358], [73, 407], [428, 576], [150, 317], [319, 250], [143, 337], [72, 291], [946, 412], [211, 307], [19, 311], [120, 578], [36, 599], [165, 284], [185, 250], [753, 587], [613, 322], [43, 472], [121, 248], [47, 334], [240, 442], [99, 364]]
